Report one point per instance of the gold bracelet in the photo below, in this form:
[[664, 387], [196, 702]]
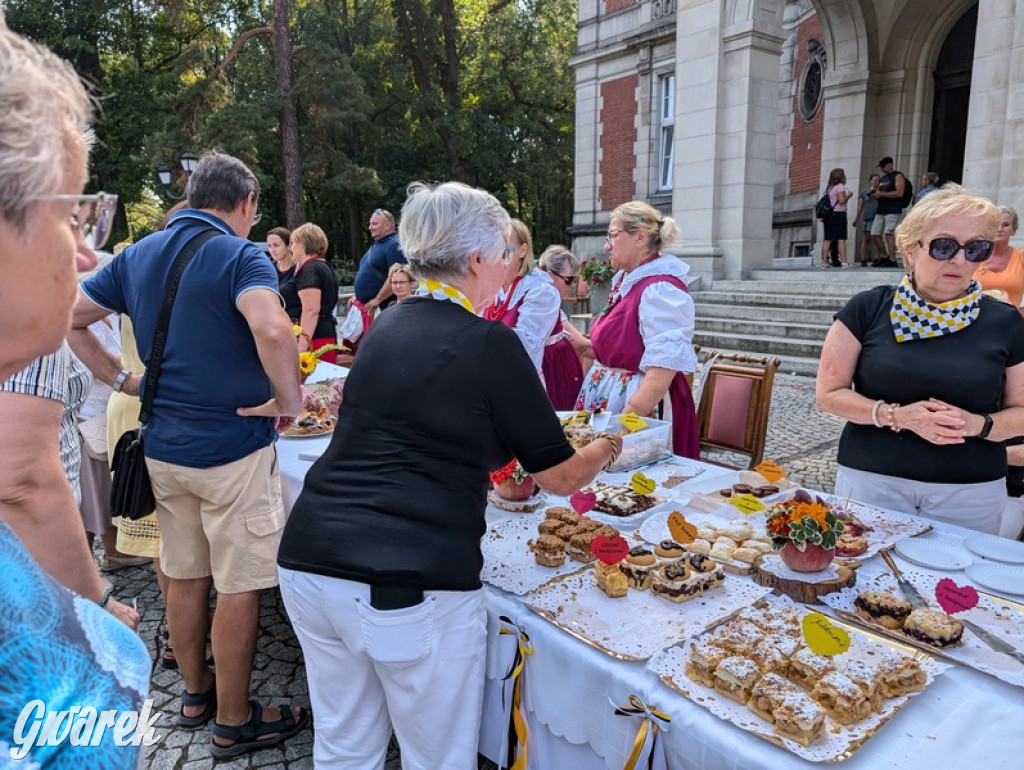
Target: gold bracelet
[[615, 448]]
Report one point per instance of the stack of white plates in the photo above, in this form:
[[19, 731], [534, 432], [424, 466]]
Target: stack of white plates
[[934, 554], [1001, 567]]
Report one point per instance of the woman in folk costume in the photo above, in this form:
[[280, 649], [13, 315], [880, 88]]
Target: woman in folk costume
[[643, 340], [527, 303]]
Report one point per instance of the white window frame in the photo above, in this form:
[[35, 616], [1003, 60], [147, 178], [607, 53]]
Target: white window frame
[[666, 129]]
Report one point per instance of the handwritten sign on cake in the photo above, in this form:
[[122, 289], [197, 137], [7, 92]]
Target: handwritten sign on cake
[[681, 530], [770, 470], [641, 484]]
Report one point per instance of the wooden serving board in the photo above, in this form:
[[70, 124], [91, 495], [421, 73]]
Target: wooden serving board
[[804, 591]]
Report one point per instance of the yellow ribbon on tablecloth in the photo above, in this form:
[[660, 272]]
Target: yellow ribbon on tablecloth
[[517, 732], [650, 713]]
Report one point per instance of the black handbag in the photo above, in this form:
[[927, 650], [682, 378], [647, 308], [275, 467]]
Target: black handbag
[[131, 494]]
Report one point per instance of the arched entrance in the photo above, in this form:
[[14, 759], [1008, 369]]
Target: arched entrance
[[952, 79]]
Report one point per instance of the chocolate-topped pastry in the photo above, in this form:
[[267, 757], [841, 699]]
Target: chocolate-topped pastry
[[701, 563], [741, 489], [725, 492], [770, 489], [675, 582], [669, 551], [638, 567], [708, 573]]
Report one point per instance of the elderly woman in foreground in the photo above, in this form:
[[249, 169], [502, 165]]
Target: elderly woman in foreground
[[929, 374], [380, 560]]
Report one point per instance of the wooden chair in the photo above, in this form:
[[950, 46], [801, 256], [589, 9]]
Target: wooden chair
[[733, 412], [576, 303]]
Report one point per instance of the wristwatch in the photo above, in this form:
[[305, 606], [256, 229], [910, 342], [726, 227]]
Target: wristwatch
[[987, 427], [121, 379]]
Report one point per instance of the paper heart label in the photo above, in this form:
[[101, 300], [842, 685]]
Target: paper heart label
[[682, 531], [746, 504], [822, 637], [632, 422], [610, 550], [582, 502], [641, 484], [953, 598], [770, 470]]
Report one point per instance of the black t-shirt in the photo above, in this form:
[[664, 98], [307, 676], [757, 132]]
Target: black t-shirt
[[889, 205], [966, 369], [436, 399], [314, 274]]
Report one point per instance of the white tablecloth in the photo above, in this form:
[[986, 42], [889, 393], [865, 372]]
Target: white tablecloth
[[963, 719]]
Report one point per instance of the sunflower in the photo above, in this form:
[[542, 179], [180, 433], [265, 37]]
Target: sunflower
[[307, 362]]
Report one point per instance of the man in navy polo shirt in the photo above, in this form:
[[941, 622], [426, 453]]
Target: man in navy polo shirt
[[228, 383]]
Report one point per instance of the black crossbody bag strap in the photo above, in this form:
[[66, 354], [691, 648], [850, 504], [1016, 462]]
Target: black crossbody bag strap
[[160, 335]]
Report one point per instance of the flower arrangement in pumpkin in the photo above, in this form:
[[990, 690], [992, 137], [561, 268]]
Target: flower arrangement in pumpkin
[[597, 271], [308, 359], [513, 471], [803, 520]]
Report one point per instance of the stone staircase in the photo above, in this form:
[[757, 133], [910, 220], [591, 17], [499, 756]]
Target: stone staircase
[[784, 312]]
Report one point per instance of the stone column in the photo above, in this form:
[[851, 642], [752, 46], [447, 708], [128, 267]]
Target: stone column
[[994, 156], [725, 135]]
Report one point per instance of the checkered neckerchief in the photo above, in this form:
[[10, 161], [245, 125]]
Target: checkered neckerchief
[[913, 318]]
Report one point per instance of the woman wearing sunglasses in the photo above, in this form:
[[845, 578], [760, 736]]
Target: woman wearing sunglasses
[[929, 374], [565, 345]]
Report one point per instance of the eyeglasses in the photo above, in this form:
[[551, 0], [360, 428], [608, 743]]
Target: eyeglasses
[[93, 215], [257, 217], [612, 234], [508, 253], [944, 249], [399, 283]]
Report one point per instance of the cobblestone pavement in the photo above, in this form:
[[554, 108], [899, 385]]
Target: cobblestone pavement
[[800, 439]]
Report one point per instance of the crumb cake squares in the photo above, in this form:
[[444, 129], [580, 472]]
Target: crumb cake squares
[[773, 652], [767, 695], [867, 677], [900, 674], [883, 608], [739, 636], [840, 696], [704, 659], [735, 676], [806, 668], [933, 627], [799, 718]]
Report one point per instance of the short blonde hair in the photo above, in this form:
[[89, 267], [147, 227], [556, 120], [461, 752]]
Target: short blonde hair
[[661, 231], [951, 200], [312, 238], [521, 233], [43, 106], [401, 267]]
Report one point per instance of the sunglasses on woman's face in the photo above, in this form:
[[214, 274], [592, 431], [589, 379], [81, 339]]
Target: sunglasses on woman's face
[[569, 279], [944, 249]]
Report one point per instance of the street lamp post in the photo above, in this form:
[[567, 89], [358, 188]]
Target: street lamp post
[[188, 163]]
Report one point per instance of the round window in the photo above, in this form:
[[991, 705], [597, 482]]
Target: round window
[[811, 93]]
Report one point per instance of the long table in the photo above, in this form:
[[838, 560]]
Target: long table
[[571, 689]]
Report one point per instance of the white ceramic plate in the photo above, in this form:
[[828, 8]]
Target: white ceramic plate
[[1004, 579], [934, 554], [997, 548]]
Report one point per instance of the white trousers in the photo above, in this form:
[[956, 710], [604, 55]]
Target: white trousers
[[975, 506], [419, 669]]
